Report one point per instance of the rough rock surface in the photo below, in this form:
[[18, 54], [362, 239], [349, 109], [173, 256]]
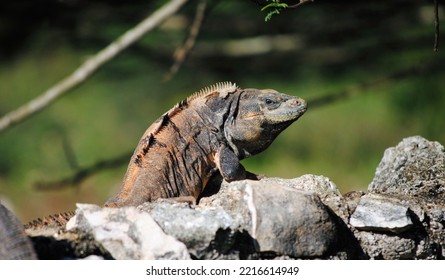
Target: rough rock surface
[[126, 233], [14, 244], [208, 233], [381, 213], [412, 175], [401, 216], [280, 218], [415, 167]]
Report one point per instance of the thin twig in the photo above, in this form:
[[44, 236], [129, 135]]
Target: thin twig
[[181, 53], [91, 65], [299, 4], [436, 25]]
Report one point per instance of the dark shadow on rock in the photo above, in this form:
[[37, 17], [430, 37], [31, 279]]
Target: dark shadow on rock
[[229, 244], [347, 244], [49, 248], [213, 186]]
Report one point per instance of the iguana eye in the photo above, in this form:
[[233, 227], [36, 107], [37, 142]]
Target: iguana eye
[[269, 101]]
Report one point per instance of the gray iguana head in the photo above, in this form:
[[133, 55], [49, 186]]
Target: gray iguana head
[[260, 117]]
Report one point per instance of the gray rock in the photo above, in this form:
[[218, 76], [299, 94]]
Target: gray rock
[[321, 185], [406, 197], [415, 167], [380, 213], [279, 218], [14, 244], [126, 233], [197, 228], [326, 190], [436, 228], [388, 247]]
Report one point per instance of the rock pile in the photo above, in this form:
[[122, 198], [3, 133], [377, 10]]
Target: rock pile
[[401, 216]]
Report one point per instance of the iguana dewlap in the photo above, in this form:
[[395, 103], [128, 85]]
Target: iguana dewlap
[[209, 132]]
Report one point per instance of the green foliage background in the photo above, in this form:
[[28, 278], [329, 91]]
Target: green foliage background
[[335, 45]]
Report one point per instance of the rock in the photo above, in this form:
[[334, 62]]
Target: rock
[[436, 229], [126, 233], [402, 216], [208, 233], [406, 199], [415, 167], [14, 244], [321, 185], [268, 216], [326, 190], [388, 247], [379, 213], [280, 219]]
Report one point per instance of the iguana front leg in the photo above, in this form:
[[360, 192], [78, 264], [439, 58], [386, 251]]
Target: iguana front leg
[[229, 165]]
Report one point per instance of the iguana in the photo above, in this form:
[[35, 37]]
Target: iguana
[[205, 135]]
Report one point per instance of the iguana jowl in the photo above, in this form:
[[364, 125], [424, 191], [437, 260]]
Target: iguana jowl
[[209, 132]]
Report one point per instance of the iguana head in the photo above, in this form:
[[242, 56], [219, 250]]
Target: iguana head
[[260, 116]]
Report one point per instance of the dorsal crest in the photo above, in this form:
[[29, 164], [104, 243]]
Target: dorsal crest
[[222, 88]]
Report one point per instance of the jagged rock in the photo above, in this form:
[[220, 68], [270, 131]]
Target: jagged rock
[[280, 218], [437, 228], [246, 217], [14, 244], [208, 233], [405, 197], [388, 247], [415, 167], [126, 233]]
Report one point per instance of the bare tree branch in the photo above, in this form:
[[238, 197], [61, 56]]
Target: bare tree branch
[[299, 4], [91, 65], [181, 53]]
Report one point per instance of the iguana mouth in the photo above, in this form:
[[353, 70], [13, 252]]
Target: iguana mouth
[[288, 115]]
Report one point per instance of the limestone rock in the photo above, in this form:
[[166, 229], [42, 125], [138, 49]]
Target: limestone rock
[[388, 247], [379, 213], [326, 190], [207, 232], [279, 218], [415, 167], [406, 198], [126, 233]]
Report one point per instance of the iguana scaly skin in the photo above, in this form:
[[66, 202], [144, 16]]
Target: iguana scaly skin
[[206, 134], [48, 225]]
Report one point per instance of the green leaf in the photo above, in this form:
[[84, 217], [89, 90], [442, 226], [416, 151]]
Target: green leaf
[[276, 7]]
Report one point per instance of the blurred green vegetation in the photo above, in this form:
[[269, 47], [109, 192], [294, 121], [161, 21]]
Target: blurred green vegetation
[[319, 49]]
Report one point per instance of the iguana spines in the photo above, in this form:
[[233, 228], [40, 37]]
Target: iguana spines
[[222, 88], [49, 224]]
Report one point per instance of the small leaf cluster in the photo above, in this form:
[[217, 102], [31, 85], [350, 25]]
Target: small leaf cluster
[[273, 8]]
